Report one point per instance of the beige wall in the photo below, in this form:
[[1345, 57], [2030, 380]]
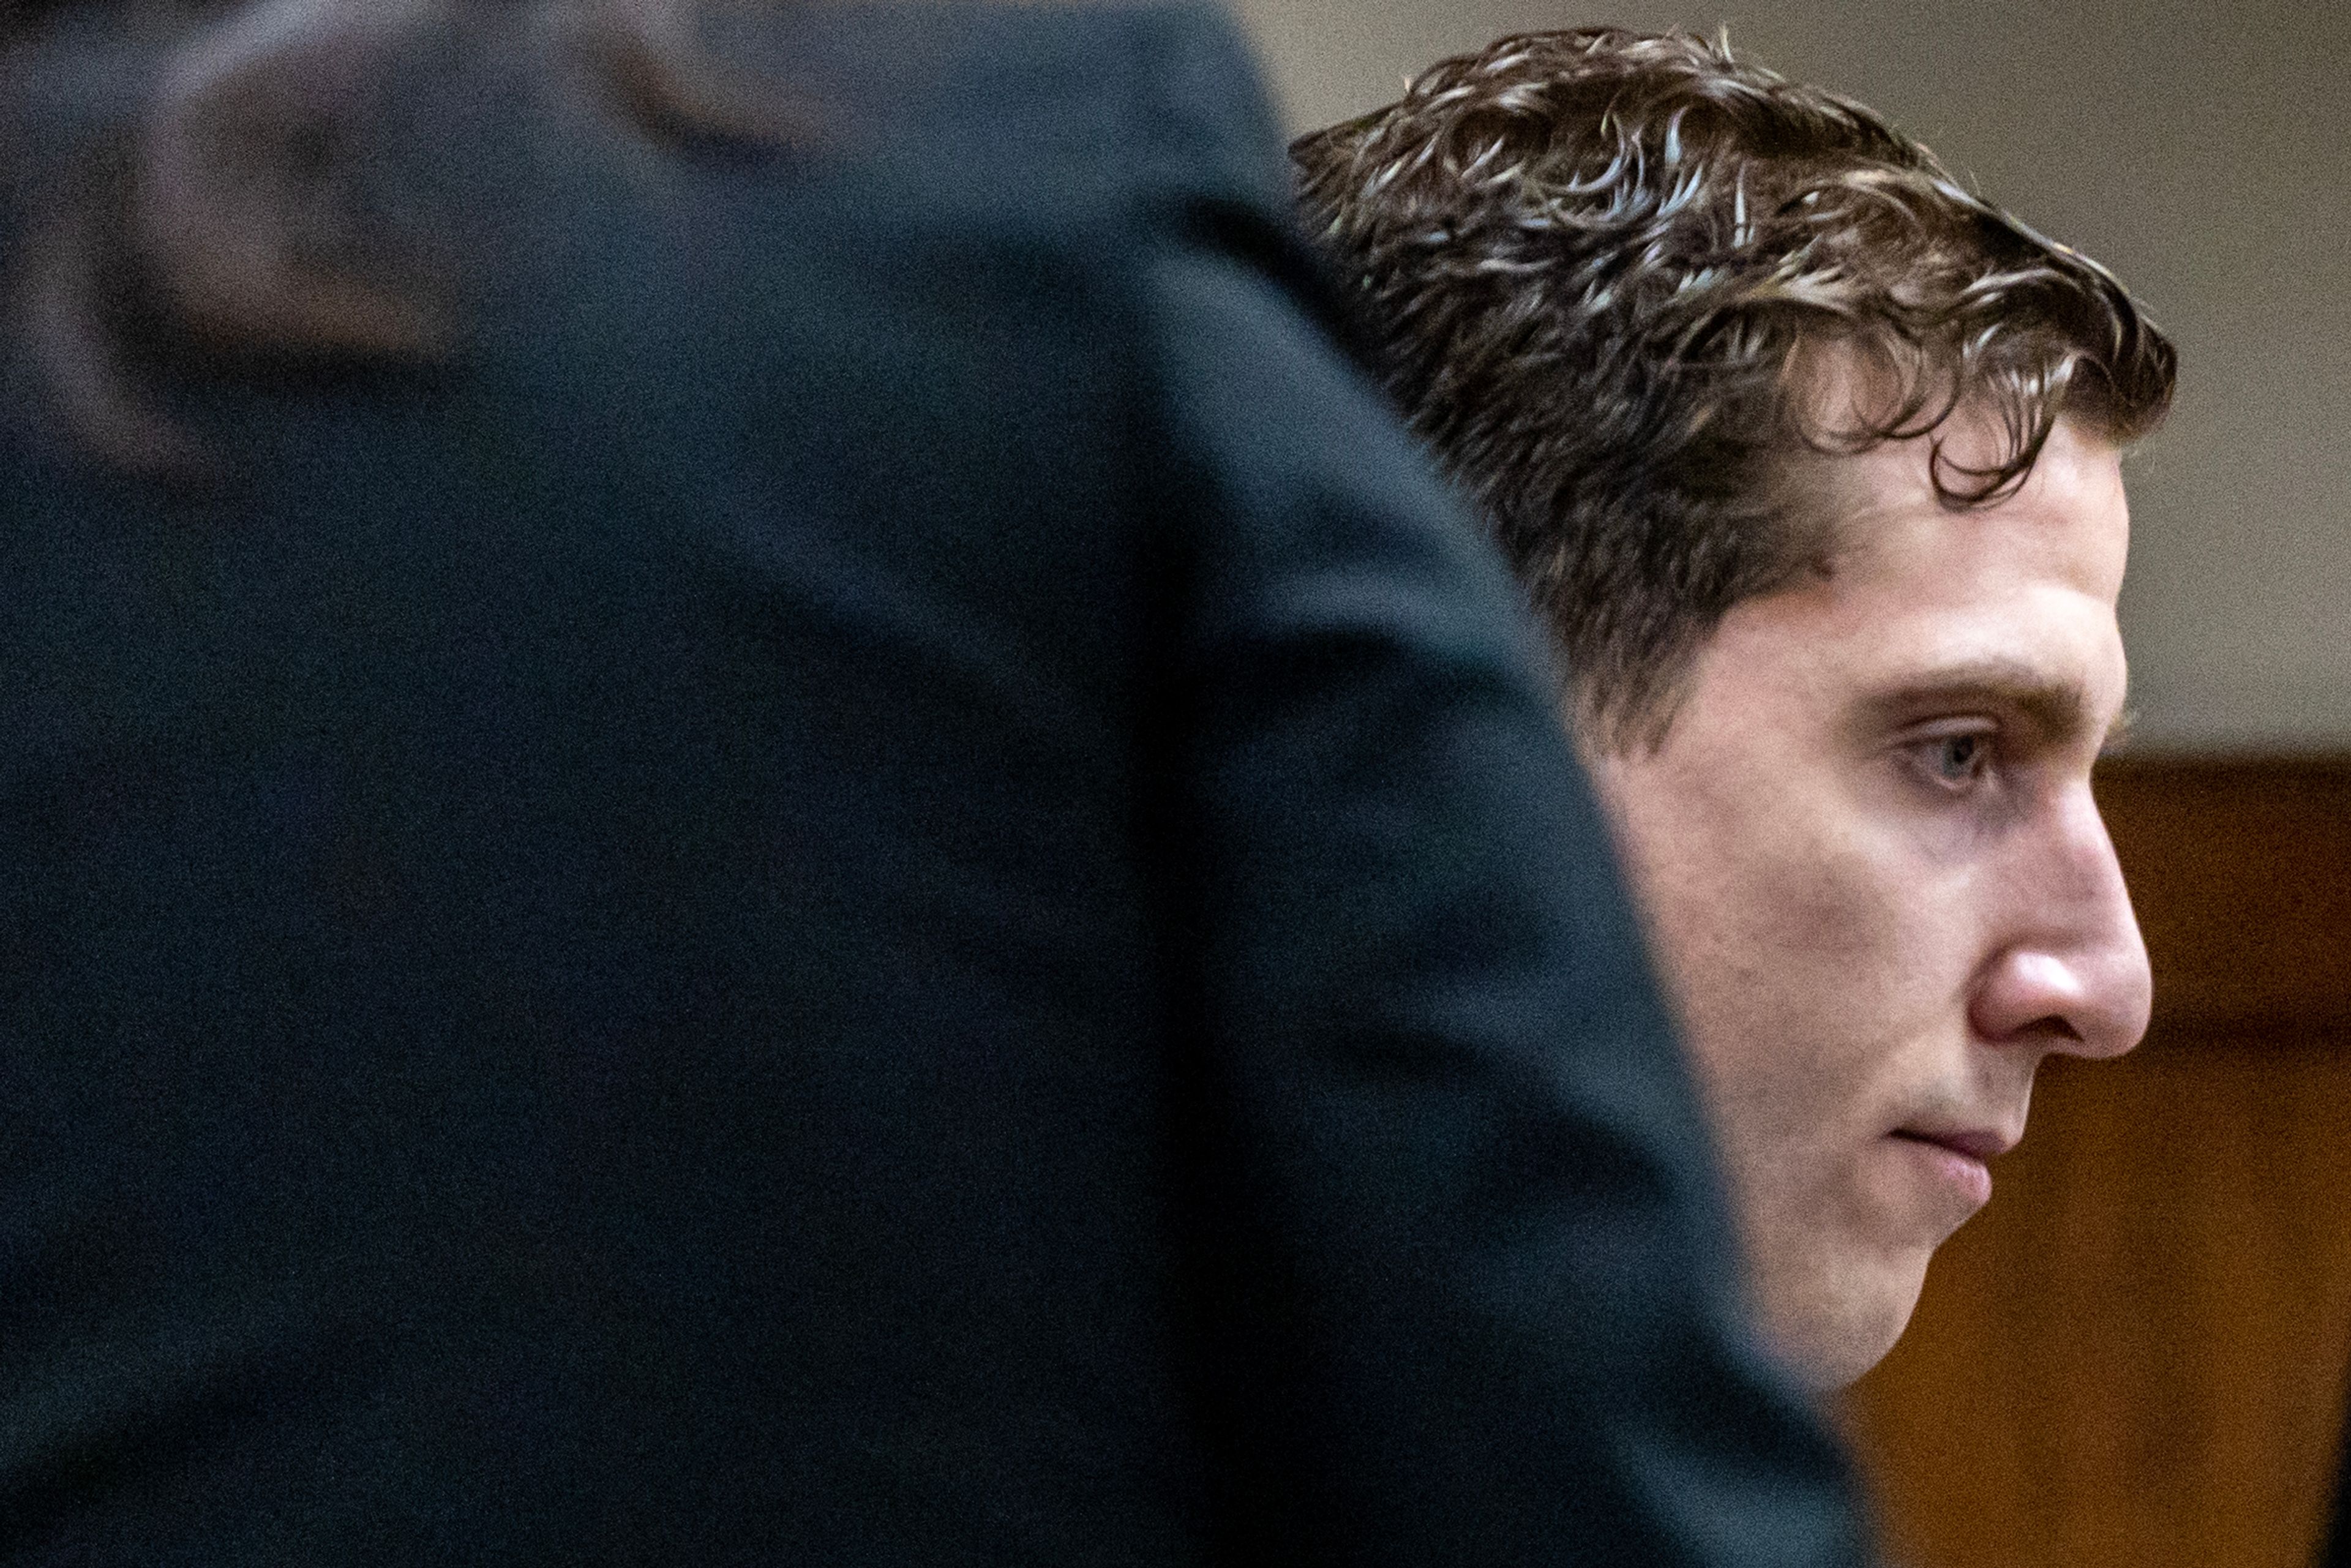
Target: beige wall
[[2204, 152]]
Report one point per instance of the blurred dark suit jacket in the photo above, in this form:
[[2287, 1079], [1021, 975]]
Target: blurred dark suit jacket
[[887, 885]]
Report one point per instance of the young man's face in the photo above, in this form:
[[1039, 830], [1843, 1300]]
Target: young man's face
[[1879, 887]]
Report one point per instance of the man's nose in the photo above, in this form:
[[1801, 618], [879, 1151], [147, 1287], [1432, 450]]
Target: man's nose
[[2074, 977]]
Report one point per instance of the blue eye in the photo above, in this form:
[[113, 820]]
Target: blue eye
[[1958, 759]]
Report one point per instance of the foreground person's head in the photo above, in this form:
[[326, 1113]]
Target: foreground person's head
[[1810, 458], [193, 184]]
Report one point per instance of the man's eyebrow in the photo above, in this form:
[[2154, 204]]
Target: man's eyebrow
[[2051, 705]]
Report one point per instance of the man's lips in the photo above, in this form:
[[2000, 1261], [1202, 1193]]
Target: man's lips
[[1975, 1143], [1957, 1159]]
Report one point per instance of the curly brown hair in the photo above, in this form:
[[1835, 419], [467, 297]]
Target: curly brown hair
[[1601, 270]]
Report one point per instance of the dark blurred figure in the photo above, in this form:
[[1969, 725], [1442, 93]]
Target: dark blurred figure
[[749, 814]]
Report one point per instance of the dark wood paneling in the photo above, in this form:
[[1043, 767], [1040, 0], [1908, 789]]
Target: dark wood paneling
[[2240, 871], [2136, 1355]]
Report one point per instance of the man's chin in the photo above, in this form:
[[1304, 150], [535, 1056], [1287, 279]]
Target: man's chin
[[1834, 1326]]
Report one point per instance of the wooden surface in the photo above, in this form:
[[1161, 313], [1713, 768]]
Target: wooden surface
[[2137, 1356], [2241, 872]]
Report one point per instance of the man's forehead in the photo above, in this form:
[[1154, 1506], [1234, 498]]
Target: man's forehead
[[1881, 511], [1919, 609]]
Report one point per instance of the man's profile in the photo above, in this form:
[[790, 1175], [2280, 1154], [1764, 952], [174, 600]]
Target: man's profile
[[1810, 457]]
